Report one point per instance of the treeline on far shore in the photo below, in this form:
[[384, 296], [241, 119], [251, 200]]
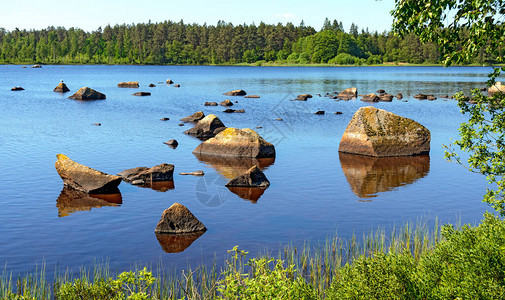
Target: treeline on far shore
[[179, 43]]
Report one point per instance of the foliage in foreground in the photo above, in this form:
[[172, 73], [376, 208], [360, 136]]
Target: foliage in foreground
[[466, 263]]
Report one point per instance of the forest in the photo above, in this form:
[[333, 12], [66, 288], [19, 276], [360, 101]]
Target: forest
[[224, 43]]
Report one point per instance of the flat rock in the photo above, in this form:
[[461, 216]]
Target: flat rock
[[85, 179], [254, 177], [349, 93], [229, 110], [379, 133], [421, 96], [386, 97], [178, 219], [431, 97], [194, 117], [252, 96], [36, 66], [370, 98], [61, 88], [237, 143], [128, 84], [194, 173], [210, 104], [207, 127], [86, 93], [240, 111], [303, 97], [319, 112], [495, 88], [162, 172], [17, 88], [226, 102], [235, 93], [142, 94]]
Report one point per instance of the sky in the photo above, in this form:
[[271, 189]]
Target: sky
[[91, 14]]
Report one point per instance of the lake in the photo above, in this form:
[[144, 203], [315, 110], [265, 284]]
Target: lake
[[315, 193]]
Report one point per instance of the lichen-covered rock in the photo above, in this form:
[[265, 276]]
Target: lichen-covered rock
[[376, 132], [235, 93], [61, 88], [86, 93], [238, 143], [128, 84], [348, 94], [85, 179], [194, 117], [178, 219], [207, 127], [254, 177], [497, 87], [162, 172]]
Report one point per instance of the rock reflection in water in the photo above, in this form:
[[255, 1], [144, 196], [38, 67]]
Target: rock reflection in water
[[175, 243], [71, 201], [231, 167], [159, 186], [252, 194], [368, 176]]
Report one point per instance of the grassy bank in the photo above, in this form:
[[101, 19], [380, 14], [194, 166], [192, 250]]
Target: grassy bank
[[408, 263]]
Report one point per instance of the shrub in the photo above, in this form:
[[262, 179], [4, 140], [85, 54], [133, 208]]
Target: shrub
[[304, 58], [343, 59], [374, 60], [293, 58]]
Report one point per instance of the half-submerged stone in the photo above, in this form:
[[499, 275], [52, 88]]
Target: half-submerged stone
[[348, 94], [142, 94], [238, 143], [379, 133], [370, 98], [303, 97], [143, 175], [235, 93], [254, 177], [207, 127], [86, 93], [128, 84], [17, 88], [178, 219], [61, 88], [194, 117], [85, 179]]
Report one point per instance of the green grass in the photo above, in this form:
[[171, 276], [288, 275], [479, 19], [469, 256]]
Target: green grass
[[411, 262]]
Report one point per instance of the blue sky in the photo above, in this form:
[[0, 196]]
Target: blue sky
[[91, 14]]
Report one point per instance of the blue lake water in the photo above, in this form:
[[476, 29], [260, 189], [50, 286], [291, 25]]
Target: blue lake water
[[314, 192]]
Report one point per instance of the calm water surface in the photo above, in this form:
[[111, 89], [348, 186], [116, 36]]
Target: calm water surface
[[314, 191]]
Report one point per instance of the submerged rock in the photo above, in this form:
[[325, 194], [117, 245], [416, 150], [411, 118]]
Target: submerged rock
[[254, 177], [142, 94], [85, 179], [129, 84], [17, 88], [376, 132], [61, 88], [207, 127], [86, 93], [235, 93], [236, 142], [348, 94], [194, 117], [178, 219], [162, 172]]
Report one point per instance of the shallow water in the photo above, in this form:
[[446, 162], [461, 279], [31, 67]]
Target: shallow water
[[314, 191]]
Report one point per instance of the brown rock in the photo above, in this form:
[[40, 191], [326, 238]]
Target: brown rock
[[252, 96], [141, 94], [194, 117], [210, 104], [497, 87], [399, 96], [254, 177], [164, 119], [61, 88], [421, 96], [252, 194], [236, 142], [169, 81], [370, 98], [376, 132], [226, 103], [71, 201], [235, 93], [338, 112], [207, 127], [86, 93], [319, 112], [386, 98], [175, 243], [194, 173], [172, 143], [85, 179], [229, 110], [349, 93], [129, 84], [177, 85], [178, 219], [162, 172], [380, 91], [303, 97], [152, 85], [17, 88], [36, 66], [431, 97], [230, 167], [240, 111]]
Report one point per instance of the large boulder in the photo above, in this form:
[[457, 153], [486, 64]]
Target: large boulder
[[128, 84], [235, 93], [207, 127], [86, 93], [497, 87], [254, 177], [238, 143], [85, 179], [61, 88], [349, 93], [178, 219], [376, 132], [142, 175], [194, 117]]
